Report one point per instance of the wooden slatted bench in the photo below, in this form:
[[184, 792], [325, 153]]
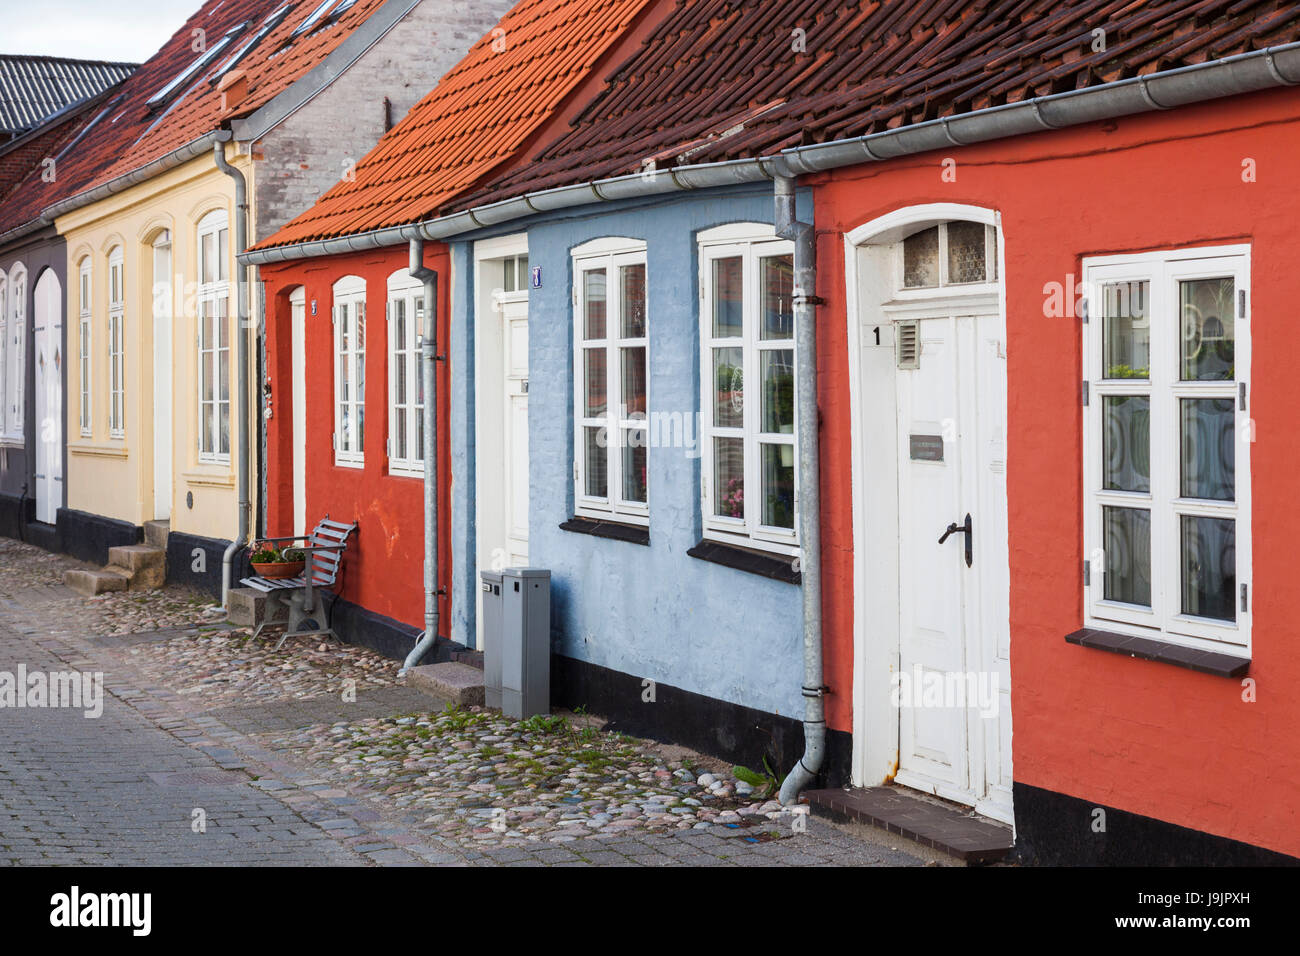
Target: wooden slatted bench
[[323, 549]]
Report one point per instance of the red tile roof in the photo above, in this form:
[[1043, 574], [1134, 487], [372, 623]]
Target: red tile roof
[[128, 135], [719, 80], [481, 114]]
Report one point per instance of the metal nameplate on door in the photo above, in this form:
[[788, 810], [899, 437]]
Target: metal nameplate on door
[[926, 447]]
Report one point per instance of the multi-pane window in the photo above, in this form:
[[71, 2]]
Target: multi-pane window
[[748, 474], [405, 376], [611, 338], [15, 355], [214, 338], [515, 278], [4, 334], [948, 254], [116, 345], [83, 344], [1167, 444], [349, 371]]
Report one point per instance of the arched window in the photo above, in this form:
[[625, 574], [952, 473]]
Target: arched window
[[4, 338], [16, 353], [116, 344], [405, 376], [214, 337], [83, 344], [350, 371]]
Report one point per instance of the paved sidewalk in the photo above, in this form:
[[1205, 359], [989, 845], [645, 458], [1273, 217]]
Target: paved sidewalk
[[125, 788]]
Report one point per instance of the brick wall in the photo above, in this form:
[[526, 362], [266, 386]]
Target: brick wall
[[309, 152], [19, 161]]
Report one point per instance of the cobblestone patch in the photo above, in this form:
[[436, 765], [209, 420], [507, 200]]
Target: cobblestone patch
[[472, 774], [219, 667]]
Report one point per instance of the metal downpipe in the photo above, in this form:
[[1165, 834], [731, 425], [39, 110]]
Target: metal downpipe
[[429, 373], [809, 509], [241, 360]]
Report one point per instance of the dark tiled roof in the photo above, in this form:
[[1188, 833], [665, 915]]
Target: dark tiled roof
[[34, 88], [479, 115], [721, 80], [127, 135]]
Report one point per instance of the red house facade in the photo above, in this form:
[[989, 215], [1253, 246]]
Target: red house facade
[[1177, 729]]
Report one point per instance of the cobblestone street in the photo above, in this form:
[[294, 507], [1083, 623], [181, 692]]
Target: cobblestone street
[[212, 748]]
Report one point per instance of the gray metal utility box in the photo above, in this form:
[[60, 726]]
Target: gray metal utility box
[[491, 585], [517, 641]]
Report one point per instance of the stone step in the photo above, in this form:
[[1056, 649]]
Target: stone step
[[156, 532], [145, 567], [91, 582], [247, 607], [933, 823], [452, 681]]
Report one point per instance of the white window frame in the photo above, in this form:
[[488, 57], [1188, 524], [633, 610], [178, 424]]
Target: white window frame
[[1164, 620], [407, 294], [610, 255], [85, 293], [15, 398], [116, 345], [4, 339], [752, 242], [348, 316], [946, 289], [212, 293]]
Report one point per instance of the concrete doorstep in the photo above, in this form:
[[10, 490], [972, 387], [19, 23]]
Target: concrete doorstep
[[459, 683]]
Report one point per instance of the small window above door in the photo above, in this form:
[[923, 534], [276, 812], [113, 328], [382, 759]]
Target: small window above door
[[957, 253]]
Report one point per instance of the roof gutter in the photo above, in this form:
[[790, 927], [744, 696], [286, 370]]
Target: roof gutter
[[177, 157], [1265, 69]]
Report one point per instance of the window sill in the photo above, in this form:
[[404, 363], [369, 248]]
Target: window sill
[[766, 565], [614, 530], [98, 450], [210, 474], [1149, 649]]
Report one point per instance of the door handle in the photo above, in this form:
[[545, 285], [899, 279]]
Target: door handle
[[965, 529]]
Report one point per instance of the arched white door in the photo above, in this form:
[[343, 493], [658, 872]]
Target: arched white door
[[48, 362]]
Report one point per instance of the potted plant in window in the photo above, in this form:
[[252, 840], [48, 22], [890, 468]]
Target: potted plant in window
[[271, 562]]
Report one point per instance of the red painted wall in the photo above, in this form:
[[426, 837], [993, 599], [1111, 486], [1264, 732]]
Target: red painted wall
[[1148, 738], [384, 571]]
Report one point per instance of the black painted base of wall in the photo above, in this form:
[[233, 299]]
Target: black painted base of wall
[[12, 518], [358, 625], [196, 562], [1054, 829], [739, 735], [88, 537]]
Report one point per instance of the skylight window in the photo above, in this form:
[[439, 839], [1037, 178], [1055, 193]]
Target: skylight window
[[313, 19], [269, 24], [182, 82]]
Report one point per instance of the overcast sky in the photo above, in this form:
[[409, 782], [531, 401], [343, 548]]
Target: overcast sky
[[123, 30]]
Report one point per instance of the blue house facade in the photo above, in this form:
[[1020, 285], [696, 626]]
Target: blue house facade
[[676, 605]]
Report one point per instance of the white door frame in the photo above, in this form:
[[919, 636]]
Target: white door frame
[[489, 406], [875, 564], [162, 377], [298, 373], [48, 441]]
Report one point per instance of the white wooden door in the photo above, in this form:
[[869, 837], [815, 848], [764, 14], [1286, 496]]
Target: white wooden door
[[515, 429], [298, 332], [162, 382], [49, 397], [953, 616]]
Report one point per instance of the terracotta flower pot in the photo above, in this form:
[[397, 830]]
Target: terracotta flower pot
[[279, 569]]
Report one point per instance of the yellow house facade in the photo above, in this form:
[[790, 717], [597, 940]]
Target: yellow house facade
[[152, 320]]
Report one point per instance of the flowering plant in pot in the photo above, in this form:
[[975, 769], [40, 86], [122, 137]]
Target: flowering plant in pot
[[270, 562]]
